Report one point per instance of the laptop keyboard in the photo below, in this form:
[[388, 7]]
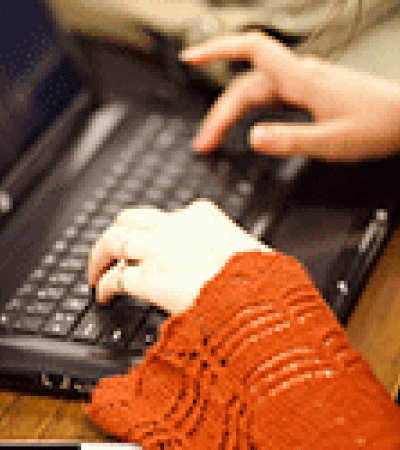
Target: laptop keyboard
[[158, 168]]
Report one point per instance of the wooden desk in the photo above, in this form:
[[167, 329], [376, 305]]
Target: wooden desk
[[373, 330]]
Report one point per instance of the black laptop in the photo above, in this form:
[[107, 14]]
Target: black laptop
[[123, 140]]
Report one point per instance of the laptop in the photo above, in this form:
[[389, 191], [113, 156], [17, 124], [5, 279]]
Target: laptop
[[124, 140]]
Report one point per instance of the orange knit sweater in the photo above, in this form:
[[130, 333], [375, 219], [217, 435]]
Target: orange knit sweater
[[258, 362]]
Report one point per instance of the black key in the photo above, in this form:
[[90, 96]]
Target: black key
[[82, 289], [49, 260], [30, 324], [89, 328], [7, 320], [40, 308], [69, 263], [59, 246], [81, 219], [59, 324], [50, 293], [234, 206], [70, 233], [124, 315], [148, 334], [113, 209], [62, 278], [131, 185], [90, 236], [38, 274], [15, 304], [90, 206], [75, 304], [113, 338], [80, 250], [122, 197], [26, 289]]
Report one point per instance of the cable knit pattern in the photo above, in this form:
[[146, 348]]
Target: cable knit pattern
[[258, 362]]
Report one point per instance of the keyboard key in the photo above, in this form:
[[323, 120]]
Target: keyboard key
[[62, 278], [245, 187], [131, 184], [112, 209], [15, 304], [72, 264], [173, 205], [80, 249], [59, 324], [148, 334], [90, 206], [112, 337], [90, 236], [143, 339], [164, 181], [82, 289], [49, 260], [172, 170], [109, 182], [81, 219], [40, 308], [71, 232], [122, 197], [26, 289], [120, 169], [7, 320], [183, 195], [101, 223], [100, 193], [38, 275], [126, 157], [143, 173], [50, 293], [75, 304], [151, 160], [234, 206], [154, 195], [30, 324], [167, 137], [59, 246], [89, 329]]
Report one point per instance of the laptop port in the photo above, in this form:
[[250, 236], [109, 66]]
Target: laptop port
[[81, 387], [55, 381]]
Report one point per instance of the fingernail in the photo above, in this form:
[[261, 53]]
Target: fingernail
[[188, 54], [257, 134]]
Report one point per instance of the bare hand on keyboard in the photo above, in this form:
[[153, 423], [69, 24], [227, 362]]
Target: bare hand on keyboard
[[177, 252], [356, 115]]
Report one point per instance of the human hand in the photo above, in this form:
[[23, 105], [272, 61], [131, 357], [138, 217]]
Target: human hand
[[357, 116], [177, 252]]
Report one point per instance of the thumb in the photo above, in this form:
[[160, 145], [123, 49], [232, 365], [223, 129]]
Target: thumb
[[333, 141]]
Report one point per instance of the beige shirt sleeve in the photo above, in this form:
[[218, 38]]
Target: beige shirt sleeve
[[196, 21]]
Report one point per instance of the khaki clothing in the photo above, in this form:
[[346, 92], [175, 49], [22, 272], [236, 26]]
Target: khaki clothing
[[196, 21]]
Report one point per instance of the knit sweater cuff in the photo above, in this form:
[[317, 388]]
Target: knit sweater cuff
[[252, 363], [254, 294]]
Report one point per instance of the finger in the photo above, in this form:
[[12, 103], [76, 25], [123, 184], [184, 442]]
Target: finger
[[254, 47], [108, 285], [121, 280], [336, 140], [245, 91], [116, 244]]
